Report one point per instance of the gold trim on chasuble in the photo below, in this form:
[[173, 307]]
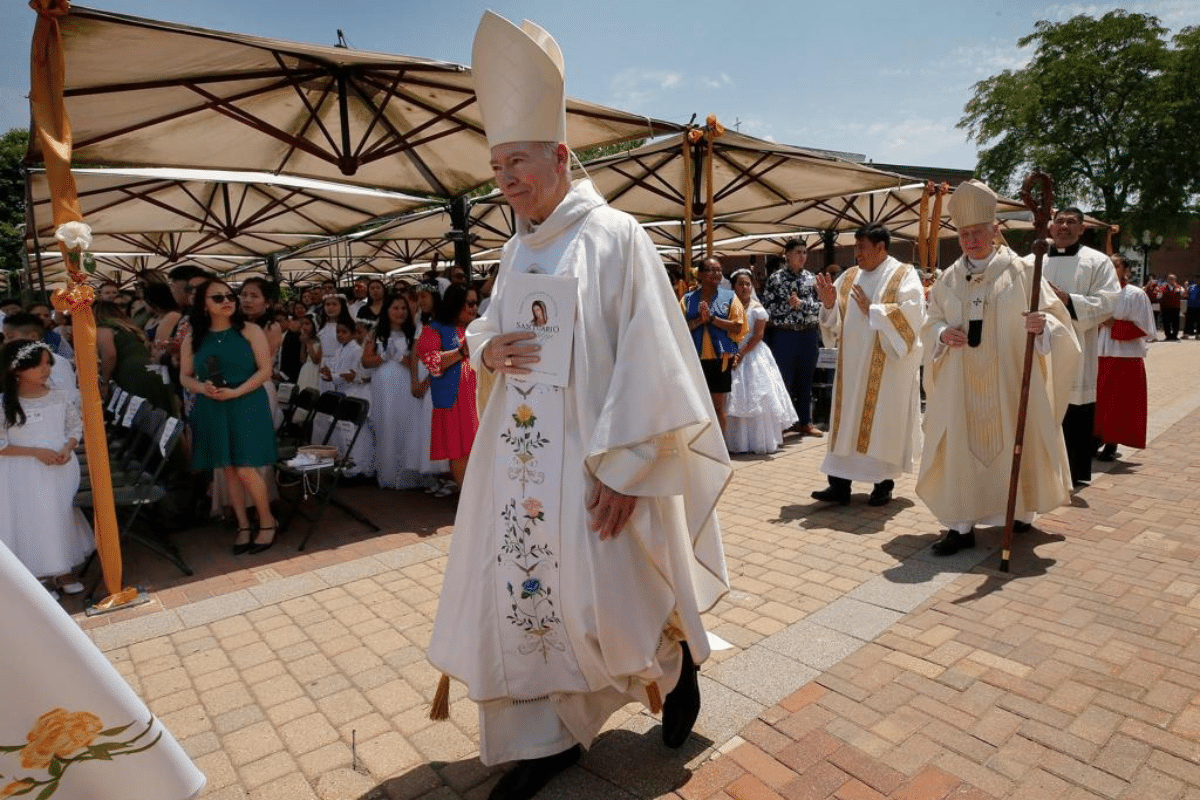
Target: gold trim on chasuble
[[851, 275], [879, 359]]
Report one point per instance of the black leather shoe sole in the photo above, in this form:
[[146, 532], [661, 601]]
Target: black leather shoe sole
[[952, 542], [530, 777], [831, 496], [879, 499], [682, 705]]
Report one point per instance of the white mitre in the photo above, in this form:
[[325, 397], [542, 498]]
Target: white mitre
[[972, 203], [518, 82]]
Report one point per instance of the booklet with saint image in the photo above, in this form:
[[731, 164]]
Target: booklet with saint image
[[543, 305]]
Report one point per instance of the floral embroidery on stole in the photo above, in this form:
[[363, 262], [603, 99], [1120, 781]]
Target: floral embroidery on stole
[[527, 486]]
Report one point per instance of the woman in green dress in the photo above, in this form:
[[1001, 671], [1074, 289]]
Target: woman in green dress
[[126, 360], [224, 361]]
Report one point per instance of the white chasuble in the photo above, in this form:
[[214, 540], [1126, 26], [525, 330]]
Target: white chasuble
[[875, 432], [973, 394], [587, 624]]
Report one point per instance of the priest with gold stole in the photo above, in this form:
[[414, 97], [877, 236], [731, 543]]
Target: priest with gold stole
[[975, 337], [872, 314], [586, 545]]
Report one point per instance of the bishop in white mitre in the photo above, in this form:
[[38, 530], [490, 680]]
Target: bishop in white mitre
[[586, 545], [975, 336], [872, 314]]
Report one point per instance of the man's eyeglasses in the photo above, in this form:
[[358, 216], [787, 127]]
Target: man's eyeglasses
[[472, 303], [221, 298]]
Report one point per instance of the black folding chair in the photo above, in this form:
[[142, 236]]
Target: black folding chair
[[146, 486], [321, 482], [127, 452], [296, 428]]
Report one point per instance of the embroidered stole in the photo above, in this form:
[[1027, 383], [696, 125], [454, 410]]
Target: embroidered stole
[[878, 357], [527, 488]]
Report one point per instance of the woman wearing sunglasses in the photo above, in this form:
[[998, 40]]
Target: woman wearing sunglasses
[[225, 361]]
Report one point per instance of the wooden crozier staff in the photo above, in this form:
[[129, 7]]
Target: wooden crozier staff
[[1042, 209]]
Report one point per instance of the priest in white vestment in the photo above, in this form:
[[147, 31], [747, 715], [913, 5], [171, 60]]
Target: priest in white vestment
[[872, 314], [1086, 283], [975, 334], [586, 545]]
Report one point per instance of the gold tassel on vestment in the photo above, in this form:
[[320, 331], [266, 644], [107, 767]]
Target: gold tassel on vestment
[[439, 709], [654, 696]]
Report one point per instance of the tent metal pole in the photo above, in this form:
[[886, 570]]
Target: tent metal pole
[[829, 242], [460, 221], [31, 225]]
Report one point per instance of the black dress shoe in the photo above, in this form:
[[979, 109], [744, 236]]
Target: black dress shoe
[[881, 495], [262, 547], [1021, 527], [952, 542], [833, 494], [242, 547], [528, 778], [682, 705]]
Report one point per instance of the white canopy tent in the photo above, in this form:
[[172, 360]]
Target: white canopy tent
[[143, 92], [178, 214]]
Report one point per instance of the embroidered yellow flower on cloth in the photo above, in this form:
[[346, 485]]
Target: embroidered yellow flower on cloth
[[524, 416], [59, 733], [60, 739]]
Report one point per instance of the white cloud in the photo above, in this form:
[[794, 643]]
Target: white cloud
[[754, 126], [718, 82], [1173, 14], [903, 140], [636, 88], [985, 59]]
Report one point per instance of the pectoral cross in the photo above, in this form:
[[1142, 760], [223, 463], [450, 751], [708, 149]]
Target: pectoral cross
[[977, 302]]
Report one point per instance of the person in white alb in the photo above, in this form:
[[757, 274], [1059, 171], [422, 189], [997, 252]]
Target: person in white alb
[[1121, 397], [1086, 283], [975, 334], [872, 314], [586, 545]]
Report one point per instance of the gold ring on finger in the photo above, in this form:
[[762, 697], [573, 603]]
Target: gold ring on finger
[[508, 361]]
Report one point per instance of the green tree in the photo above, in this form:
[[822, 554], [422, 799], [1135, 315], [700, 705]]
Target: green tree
[[12, 200], [1107, 107]]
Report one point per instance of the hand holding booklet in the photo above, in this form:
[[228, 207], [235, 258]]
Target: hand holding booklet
[[545, 306]]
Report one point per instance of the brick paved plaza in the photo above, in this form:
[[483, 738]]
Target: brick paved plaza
[[861, 665]]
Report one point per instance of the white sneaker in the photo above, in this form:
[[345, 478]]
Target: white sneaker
[[448, 488]]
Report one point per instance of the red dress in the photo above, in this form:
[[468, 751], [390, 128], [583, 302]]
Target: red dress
[[453, 429]]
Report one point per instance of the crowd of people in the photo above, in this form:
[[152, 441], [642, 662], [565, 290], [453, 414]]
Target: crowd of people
[[757, 332], [215, 355]]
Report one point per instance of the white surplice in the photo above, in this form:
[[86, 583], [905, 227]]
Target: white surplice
[[551, 628], [1089, 277], [875, 433], [1132, 306], [972, 396]]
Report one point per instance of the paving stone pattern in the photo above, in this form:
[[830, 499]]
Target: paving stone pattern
[[861, 666]]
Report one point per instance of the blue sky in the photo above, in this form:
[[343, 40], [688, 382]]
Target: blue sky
[[879, 78]]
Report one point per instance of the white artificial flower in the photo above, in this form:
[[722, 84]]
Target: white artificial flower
[[75, 235]]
